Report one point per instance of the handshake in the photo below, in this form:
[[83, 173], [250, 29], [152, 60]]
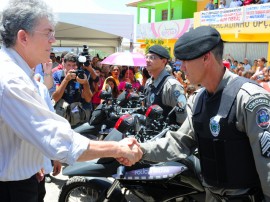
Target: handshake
[[130, 152], [127, 151]]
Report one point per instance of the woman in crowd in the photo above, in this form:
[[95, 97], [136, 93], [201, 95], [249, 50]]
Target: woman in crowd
[[130, 78], [111, 82], [265, 82], [97, 86], [260, 69], [114, 74]]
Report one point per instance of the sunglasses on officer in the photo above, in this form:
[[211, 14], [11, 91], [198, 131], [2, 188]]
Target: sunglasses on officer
[[152, 57]]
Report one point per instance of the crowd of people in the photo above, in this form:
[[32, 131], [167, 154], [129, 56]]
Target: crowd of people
[[61, 80], [99, 75], [258, 71], [227, 119], [233, 3]]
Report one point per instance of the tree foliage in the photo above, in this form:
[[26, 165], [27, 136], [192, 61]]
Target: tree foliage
[[151, 42]]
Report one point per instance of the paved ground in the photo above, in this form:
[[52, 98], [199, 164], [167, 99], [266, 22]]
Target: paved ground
[[53, 188]]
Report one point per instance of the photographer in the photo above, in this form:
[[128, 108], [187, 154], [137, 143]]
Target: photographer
[[85, 64], [71, 87]]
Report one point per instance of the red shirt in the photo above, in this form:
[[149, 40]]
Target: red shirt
[[227, 64], [59, 67], [247, 2]]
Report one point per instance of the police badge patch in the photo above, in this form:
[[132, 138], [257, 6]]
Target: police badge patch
[[262, 118], [265, 144], [214, 125]]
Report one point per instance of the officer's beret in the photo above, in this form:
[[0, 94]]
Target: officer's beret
[[160, 51], [196, 42]]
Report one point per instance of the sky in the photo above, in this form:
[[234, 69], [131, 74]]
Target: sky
[[111, 6], [93, 6]]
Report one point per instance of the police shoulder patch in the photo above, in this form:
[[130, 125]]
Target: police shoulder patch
[[263, 117], [257, 100], [265, 144], [176, 93]]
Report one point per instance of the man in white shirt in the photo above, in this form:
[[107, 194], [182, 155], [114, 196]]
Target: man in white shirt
[[235, 3], [29, 130], [222, 4]]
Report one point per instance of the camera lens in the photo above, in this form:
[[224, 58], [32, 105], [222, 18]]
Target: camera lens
[[80, 74], [87, 63]]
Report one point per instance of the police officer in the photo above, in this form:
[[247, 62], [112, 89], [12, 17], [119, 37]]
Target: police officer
[[228, 121], [162, 88]]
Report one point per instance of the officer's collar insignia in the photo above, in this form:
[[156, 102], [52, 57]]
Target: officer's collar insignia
[[257, 100], [152, 98], [265, 144], [214, 125], [262, 118]]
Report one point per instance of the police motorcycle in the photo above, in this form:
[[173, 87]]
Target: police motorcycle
[[104, 117], [144, 181]]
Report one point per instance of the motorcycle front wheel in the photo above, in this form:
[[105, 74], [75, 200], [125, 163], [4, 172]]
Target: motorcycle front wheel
[[82, 189]]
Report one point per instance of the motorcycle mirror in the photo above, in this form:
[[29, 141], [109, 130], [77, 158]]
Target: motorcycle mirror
[[128, 86], [181, 104], [104, 95], [137, 125], [141, 89], [122, 98], [108, 88], [133, 96]]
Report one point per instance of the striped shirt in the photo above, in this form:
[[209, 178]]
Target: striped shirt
[[43, 91], [28, 129]]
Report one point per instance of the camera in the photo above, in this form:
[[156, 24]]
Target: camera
[[85, 56], [79, 73]]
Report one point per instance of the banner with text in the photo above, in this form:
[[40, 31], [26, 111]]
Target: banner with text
[[257, 12], [222, 16], [242, 14]]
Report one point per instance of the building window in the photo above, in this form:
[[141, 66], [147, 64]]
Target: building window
[[165, 14]]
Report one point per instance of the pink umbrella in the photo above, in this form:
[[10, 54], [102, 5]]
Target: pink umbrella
[[125, 59]]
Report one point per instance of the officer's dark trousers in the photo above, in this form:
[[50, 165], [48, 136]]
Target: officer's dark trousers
[[18, 191]]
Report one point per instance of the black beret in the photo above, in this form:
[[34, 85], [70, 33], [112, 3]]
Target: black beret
[[160, 51], [196, 42]]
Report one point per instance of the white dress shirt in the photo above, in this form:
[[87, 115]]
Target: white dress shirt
[[28, 129], [43, 91]]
